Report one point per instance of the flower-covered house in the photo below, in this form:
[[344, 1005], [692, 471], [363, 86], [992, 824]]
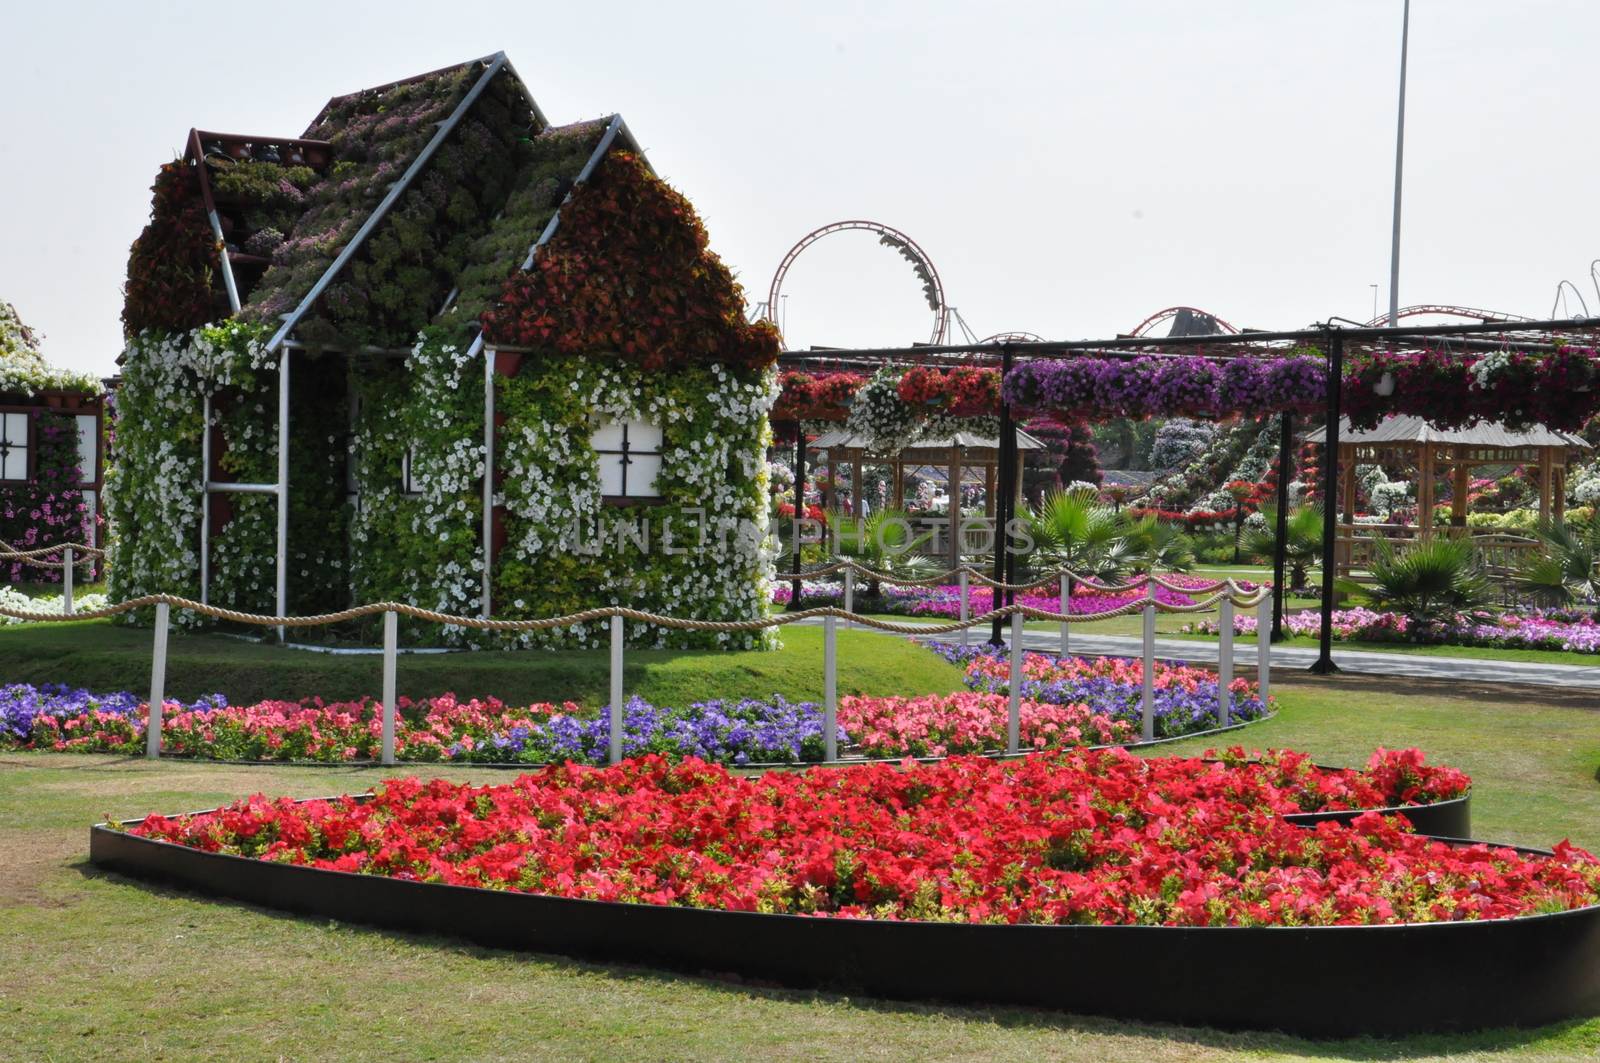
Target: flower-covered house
[[50, 453], [439, 350]]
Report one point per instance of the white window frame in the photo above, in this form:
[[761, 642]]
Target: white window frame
[[627, 457]]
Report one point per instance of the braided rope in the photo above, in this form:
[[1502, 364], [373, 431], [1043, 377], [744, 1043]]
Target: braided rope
[[606, 612], [44, 551], [1046, 580]]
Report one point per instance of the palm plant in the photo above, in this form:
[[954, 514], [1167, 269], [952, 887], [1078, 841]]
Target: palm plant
[[885, 543], [1073, 528], [1157, 546], [1566, 568], [1428, 581], [1303, 539]]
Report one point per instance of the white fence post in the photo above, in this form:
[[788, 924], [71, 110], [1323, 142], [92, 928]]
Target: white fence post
[[966, 606], [1224, 661], [616, 690], [66, 583], [1066, 607], [830, 688], [391, 647], [158, 684], [1014, 707], [1264, 645], [1147, 693], [849, 592]]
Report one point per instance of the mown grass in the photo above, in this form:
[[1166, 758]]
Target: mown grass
[[105, 657], [98, 966]]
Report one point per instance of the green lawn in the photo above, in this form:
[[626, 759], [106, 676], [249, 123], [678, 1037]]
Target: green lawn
[[104, 657], [97, 966]]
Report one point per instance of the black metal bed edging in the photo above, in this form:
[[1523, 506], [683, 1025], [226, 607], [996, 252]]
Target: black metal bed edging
[[1330, 981]]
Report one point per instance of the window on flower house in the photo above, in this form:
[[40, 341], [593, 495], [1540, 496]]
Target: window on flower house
[[410, 483], [16, 449], [630, 458]]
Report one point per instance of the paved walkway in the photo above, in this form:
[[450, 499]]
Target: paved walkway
[[1357, 661]]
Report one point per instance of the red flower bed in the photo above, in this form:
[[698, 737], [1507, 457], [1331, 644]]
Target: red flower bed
[[1081, 837]]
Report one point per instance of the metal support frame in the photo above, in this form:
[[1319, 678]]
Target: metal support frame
[[830, 688], [616, 706], [66, 580], [797, 586], [228, 281], [1280, 546], [158, 683], [391, 647], [1147, 687], [1014, 688], [1224, 661], [1330, 492], [283, 488], [1264, 648], [1005, 500], [488, 476], [205, 499]]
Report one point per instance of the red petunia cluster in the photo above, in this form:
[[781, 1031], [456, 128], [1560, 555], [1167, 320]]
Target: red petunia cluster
[[1079, 837], [963, 391], [630, 271], [816, 396]]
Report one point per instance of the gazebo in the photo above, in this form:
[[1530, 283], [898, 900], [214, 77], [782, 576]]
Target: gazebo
[[958, 454], [1431, 449]]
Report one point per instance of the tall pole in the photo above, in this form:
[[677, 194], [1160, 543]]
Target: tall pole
[[797, 587], [1330, 493], [283, 485], [1280, 541], [1399, 167], [1005, 495]]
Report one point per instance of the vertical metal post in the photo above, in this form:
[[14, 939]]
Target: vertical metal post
[[488, 479], [616, 690], [1399, 170], [1264, 646], [966, 603], [1147, 692], [391, 649], [66, 581], [1004, 495], [1224, 661], [1014, 701], [850, 592], [205, 498], [1280, 545], [830, 688], [1066, 608], [283, 485], [796, 587], [158, 684], [1330, 496]]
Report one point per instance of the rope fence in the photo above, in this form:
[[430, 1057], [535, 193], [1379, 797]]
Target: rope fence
[[73, 555], [617, 615]]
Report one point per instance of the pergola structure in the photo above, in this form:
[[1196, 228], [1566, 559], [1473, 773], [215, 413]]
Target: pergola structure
[[1332, 339], [1430, 449], [958, 454]]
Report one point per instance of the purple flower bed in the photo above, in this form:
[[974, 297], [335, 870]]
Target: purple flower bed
[[1185, 698], [1539, 630]]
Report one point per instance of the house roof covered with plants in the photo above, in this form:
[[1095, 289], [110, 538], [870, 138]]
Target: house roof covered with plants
[[24, 372], [399, 206]]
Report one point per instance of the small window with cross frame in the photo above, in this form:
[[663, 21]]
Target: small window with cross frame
[[16, 446], [630, 459]]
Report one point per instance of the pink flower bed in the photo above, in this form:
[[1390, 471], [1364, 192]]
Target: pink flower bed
[[939, 725]]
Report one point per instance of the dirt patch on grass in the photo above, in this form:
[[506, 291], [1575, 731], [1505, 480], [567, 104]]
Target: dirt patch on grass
[[28, 858]]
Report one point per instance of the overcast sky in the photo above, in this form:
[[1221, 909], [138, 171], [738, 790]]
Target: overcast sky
[[1069, 167]]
